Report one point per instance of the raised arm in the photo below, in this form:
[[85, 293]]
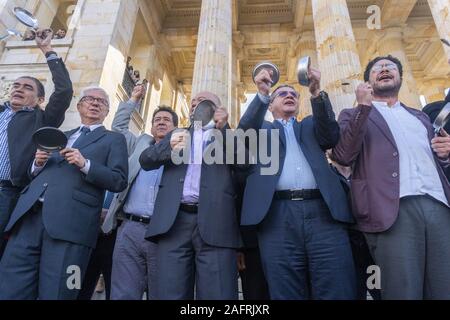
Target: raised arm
[[60, 99], [353, 123], [121, 121]]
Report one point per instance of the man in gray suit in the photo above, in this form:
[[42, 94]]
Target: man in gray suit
[[56, 221], [194, 223], [134, 258]]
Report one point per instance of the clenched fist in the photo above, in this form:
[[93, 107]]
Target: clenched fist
[[264, 81], [364, 94]]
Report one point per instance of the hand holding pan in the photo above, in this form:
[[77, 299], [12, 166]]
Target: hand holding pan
[[270, 67], [442, 119], [25, 17], [204, 114], [303, 66], [50, 139]]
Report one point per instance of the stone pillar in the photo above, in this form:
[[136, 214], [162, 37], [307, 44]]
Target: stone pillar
[[440, 10], [337, 52], [101, 39], [391, 42], [306, 46], [212, 70], [434, 89]]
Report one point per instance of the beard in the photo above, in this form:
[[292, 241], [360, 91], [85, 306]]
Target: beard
[[389, 90]]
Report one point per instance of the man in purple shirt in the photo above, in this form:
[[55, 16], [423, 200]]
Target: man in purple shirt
[[194, 221]]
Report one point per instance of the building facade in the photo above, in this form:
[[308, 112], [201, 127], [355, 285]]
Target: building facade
[[186, 46]]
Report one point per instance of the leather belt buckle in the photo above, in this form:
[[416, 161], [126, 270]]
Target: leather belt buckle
[[298, 197]]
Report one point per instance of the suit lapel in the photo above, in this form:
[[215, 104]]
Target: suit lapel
[[71, 132], [92, 137], [376, 117]]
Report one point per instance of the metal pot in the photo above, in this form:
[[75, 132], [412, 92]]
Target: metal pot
[[268, 66]]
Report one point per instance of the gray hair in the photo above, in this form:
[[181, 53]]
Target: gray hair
[[84, 92]]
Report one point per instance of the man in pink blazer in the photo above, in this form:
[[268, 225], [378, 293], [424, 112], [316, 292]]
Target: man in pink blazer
[[400, 195]]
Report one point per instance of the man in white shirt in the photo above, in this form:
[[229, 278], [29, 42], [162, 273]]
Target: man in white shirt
[[400, 195]]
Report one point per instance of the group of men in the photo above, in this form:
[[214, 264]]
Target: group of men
[[180, 226]]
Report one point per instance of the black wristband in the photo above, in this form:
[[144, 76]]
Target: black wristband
[[48, 54], [321, 97]]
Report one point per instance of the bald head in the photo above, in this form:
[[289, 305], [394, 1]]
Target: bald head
[[205, 95]]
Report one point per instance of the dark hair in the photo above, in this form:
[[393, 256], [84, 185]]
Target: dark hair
[[273, 95], [169, 110], [388, 57], [39, 85]]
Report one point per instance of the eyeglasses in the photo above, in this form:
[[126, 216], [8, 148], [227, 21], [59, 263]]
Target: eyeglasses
[[91, 99], [388, 66], [285, 93]]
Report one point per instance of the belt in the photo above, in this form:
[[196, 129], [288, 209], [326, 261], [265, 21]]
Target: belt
[[141, 219], [189, 208], [7, 184], [298, 195]]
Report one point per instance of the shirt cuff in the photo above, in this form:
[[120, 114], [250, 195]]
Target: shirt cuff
[[52, 56], [86, 167], [35, 170], [263, 98], [132, 103]]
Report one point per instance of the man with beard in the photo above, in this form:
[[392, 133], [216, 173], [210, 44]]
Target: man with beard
[[400, 194]]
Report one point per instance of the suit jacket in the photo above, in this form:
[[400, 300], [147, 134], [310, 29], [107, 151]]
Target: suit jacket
[[22, 127], [315, 134], [432, 110], [368, 145], [217, 221], [135, 146], [73, 200]]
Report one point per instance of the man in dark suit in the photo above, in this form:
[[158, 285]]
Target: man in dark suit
[[301, 211], [400, 195], [20, 118], [254, 284], [432, 110], [56, 221], [194, 221]]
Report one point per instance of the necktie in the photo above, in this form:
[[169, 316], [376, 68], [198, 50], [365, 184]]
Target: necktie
[[84, 132], [109, 196]]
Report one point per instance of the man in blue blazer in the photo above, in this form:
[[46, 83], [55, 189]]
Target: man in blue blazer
[[56, 221], [301, 211]]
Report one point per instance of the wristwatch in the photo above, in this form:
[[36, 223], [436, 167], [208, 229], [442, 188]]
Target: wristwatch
[[48, 54], [322, 96]]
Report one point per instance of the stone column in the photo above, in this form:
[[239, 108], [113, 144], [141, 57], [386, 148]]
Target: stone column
[[434, 89], [101, 39], [305, 46], [337, 53], [212, 70], [391, 42], [440, 10]]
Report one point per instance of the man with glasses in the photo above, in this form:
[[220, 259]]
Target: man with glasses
[[134, 258], [56, 221], [400, 195], [20, 117], [301, 211]]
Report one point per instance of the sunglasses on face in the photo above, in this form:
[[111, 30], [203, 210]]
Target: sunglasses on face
[[388, 66], [285, 93]]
